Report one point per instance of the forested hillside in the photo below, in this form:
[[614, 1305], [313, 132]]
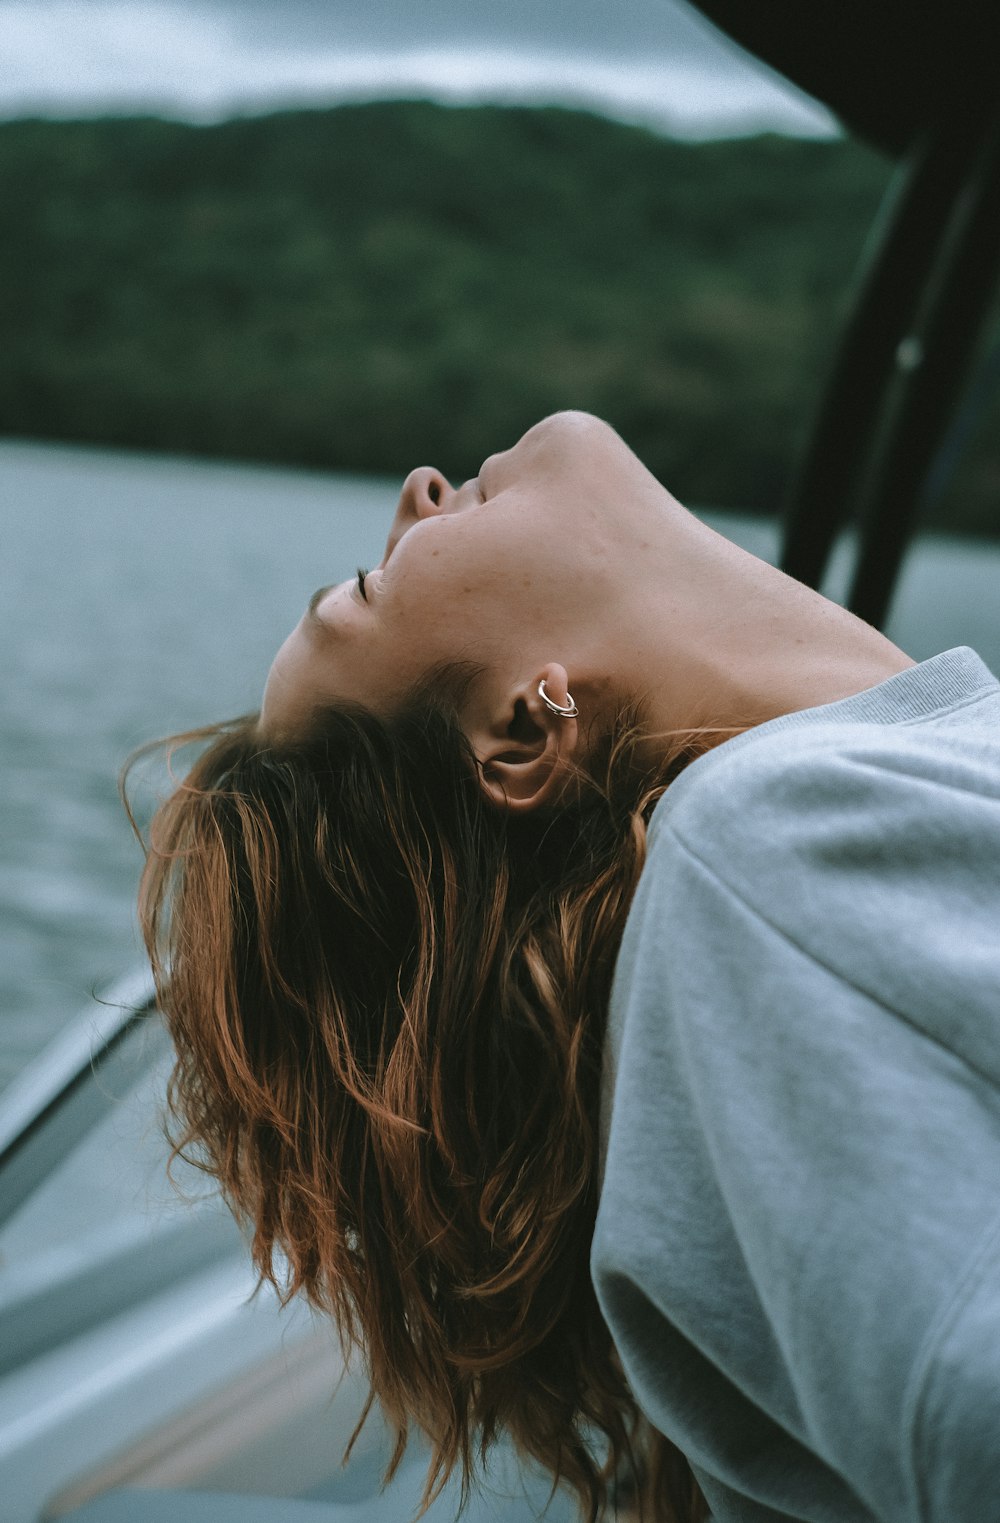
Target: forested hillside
[[369, 287]]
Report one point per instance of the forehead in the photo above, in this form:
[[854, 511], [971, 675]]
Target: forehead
[[281, 709], [322, 663], [307, 672]]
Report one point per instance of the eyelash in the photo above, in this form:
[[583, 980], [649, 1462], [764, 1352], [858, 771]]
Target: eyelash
[[362, 573]]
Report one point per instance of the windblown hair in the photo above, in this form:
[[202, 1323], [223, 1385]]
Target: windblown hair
[[387, 998]]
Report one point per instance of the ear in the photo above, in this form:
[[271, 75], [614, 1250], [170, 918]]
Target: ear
[[526, 753]]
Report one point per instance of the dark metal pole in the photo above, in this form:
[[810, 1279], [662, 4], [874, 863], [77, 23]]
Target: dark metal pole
[[902, 250], [939, 352]]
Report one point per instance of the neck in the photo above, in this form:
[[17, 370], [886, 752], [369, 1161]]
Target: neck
[[718, 638]]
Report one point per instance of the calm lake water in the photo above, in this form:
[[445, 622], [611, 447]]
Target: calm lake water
[[143, 595]]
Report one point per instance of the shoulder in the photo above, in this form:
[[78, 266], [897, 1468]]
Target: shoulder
[[782, 793], [862, 853]]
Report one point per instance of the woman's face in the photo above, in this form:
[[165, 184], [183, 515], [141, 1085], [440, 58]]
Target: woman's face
[[485, 573]]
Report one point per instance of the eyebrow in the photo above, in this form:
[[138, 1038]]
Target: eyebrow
[[312, 608]]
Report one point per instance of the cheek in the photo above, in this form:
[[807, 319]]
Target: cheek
[[461, 585]]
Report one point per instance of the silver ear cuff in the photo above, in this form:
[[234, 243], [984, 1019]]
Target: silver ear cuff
[[569, 712]]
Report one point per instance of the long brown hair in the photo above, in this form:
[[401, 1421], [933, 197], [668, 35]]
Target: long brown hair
[[387, 998]]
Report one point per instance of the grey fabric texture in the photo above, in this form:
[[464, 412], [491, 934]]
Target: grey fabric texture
[[797, 1247]]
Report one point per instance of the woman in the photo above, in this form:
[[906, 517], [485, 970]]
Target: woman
[[574, 1110]]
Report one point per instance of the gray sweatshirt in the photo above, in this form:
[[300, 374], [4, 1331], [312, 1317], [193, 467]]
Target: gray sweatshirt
[[797, 1247]]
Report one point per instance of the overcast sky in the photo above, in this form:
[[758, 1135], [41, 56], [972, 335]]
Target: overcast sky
[[654, 61]]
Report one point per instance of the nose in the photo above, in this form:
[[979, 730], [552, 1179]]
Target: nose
[[425, 493]]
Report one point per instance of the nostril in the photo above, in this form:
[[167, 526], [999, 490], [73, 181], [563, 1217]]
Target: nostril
[[434, 493]]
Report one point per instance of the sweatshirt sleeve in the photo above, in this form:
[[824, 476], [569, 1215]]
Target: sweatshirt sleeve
[[798, 1242]]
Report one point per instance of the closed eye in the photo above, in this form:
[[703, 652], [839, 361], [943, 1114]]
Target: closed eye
[[362, 573]]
